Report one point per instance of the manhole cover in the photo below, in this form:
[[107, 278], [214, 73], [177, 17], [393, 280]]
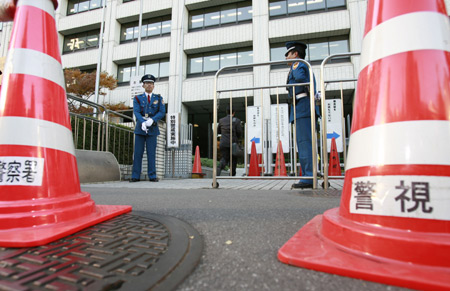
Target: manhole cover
[[136, 251]]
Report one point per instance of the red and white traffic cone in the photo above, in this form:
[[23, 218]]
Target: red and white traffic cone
[[41, 199], [393, 224], [280, 166]]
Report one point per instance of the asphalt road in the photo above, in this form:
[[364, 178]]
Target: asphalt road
[[242, 232]]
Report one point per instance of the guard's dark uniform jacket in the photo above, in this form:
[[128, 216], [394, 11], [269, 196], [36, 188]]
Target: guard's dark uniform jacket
[[144, 108]]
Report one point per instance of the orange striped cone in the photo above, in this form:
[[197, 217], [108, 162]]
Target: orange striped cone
[[253, 168], [280, 166], [41, 198], [393, 224], [334, 169]]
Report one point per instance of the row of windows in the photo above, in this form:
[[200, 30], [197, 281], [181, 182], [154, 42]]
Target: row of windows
[[221, 15], [158, 68], [208, 63], [279, 8], [78, 6], [150, 28], [212, 62], [228, 14], [318, 49]]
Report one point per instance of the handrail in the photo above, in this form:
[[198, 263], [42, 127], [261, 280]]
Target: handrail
[[312, 107], [324, 120], [105, 113]]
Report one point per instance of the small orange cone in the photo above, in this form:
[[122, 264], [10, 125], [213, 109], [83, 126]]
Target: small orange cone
[[334, 168], [41, 198], [197, 168], [253, 170], [280, 166]]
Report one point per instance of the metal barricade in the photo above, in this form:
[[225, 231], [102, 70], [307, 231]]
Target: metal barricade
[[109, 137], [324, 120], [313, 122]]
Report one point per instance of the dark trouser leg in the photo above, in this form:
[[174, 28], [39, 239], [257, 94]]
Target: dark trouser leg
[[151, 155], [139, 141], [225, 160], [304, 146]]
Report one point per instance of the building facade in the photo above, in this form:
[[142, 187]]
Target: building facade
[[185, 42]]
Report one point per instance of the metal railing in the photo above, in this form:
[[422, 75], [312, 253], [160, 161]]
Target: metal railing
[[324, 120], [96, 132], [313, 125]]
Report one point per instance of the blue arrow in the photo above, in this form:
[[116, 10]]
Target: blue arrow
[[255, 139], [331, 135]]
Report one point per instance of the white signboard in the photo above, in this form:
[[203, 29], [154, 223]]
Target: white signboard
[[173, 130], [279, 113], [254, 116], [24, 171], [334, 123], [135, 87], [424, 197]]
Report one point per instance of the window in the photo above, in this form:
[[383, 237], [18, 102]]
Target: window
[[154, 27], [221, 15], [158, 68], [81, 41], [79, 6], [281, 8], [210, 63], [317, 51]]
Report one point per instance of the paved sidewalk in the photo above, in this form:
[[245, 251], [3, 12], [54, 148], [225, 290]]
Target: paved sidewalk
[[232, 184]]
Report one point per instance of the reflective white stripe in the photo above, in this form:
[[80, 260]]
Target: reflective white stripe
[[45, 5], [408, 32], [31, 62], [301, 95], [423, 142], [35, 132]]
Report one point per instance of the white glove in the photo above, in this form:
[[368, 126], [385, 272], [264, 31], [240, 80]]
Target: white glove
[[149, 122], [144, 127]]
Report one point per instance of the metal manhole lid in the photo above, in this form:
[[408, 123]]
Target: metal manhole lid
[[129, 252]]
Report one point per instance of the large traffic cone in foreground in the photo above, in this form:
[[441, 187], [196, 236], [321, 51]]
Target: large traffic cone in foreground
[[41, 199], [334, 168], [197, 168], [280, 166], [393, 224], [253, 169]]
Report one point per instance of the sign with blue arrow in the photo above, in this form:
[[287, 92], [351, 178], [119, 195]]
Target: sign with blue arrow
[[254, 124], [334, 123]]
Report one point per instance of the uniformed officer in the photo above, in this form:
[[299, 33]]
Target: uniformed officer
[[299, 73], [148, 108]]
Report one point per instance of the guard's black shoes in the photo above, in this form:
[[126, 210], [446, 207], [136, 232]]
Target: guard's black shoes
[[134, 180], [153, 180], [301, 185]]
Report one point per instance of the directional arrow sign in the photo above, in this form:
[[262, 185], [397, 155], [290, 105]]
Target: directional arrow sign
[[254, 131], [334, 134], [334, 123]]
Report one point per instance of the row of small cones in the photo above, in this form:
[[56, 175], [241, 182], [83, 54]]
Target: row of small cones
[[280, 165], [255, 170]]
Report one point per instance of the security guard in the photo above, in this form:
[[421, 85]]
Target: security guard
[[299, 73], [148, 108]]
